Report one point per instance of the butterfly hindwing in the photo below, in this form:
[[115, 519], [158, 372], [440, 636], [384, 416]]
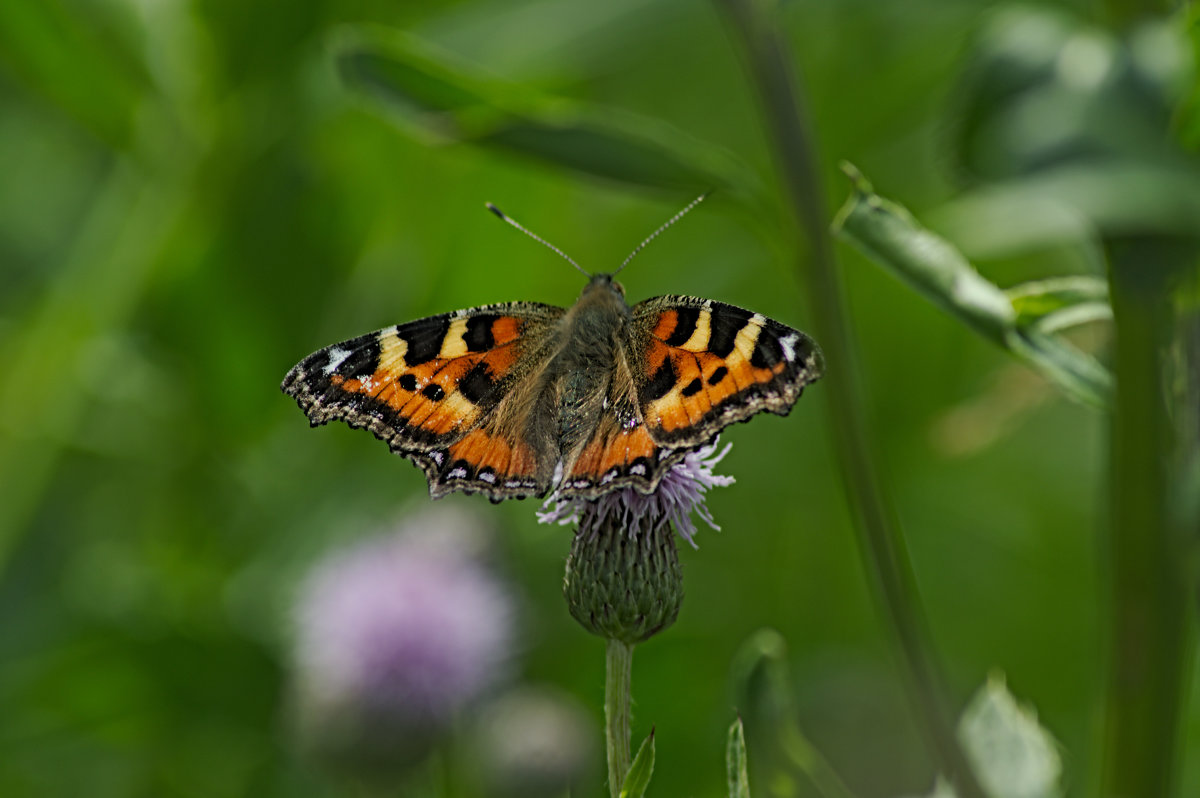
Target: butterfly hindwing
[[701, 365], [619, 452], [436, 390]]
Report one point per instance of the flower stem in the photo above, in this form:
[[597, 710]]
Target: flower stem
[[881, 542], [1126, 13], [617, 691], [1150, 637]]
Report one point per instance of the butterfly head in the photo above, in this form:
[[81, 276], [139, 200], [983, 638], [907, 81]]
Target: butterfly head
[[603, 283]]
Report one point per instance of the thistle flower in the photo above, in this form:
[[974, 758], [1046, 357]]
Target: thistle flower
[[679, 494], [394, 637], [623, 581]]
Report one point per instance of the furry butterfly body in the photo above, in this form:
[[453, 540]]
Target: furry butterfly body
[[516, 399]]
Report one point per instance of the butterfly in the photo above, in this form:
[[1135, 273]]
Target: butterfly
[[517, 399]]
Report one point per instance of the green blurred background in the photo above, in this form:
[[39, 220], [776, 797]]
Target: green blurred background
[[192, 200]]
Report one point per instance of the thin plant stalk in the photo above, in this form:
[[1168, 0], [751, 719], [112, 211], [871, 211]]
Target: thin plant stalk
[[1150, 639], [1124, 13], [881, 542], [617, 692]]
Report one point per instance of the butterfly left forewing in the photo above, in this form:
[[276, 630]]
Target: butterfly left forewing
[[441, 391], [700, 365]]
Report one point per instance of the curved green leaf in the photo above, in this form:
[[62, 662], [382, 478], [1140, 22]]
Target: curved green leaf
[[1037, 299], [438, 96], [889, 235]]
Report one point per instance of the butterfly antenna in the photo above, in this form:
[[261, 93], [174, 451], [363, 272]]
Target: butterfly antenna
[[535, 237], [654, 235]]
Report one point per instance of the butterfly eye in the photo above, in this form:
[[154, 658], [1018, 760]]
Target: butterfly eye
[[620, 289]]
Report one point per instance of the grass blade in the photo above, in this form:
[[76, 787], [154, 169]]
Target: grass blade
[[735, 762], [638, 778]]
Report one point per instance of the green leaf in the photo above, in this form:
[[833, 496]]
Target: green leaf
[[1039, 298], [1061, 302], [889, 235], [735, 762], [638, 777], [438, 96]]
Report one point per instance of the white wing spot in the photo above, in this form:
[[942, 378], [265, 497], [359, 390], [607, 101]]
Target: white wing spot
[[788, 344], [337, 356], [457, 473], [638, 469], [488, 477]]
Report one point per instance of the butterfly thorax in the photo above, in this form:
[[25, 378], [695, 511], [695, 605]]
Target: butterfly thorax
[[579, 379]]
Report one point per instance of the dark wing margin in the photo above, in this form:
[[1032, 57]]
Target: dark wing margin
[[431, 388]]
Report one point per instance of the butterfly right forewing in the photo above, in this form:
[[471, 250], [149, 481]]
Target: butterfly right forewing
[[702, 365]]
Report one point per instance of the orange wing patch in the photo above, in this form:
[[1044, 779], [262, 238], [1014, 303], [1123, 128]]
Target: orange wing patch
[[488, 462], [445, 393], [613, 456], [707, 364], [425, 397], [687, 385], [456, 393], [492, 458]]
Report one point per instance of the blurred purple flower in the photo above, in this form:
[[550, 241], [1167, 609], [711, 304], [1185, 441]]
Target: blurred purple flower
[[395, 635], [680, 494]]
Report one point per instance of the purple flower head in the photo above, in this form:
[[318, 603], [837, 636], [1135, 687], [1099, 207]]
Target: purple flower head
[[402, 631], [678, 495]]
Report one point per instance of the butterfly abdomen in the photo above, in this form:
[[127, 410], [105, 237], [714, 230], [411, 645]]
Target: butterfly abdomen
[[582, 371]]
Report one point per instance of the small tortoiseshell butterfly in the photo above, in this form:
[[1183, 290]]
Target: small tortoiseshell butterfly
[[512, 400]]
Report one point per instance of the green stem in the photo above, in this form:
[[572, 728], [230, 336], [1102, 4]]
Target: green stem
[[809, 761], [1123, 14], [617, 692], [1147, 546], [765, 696], [881, 541]]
